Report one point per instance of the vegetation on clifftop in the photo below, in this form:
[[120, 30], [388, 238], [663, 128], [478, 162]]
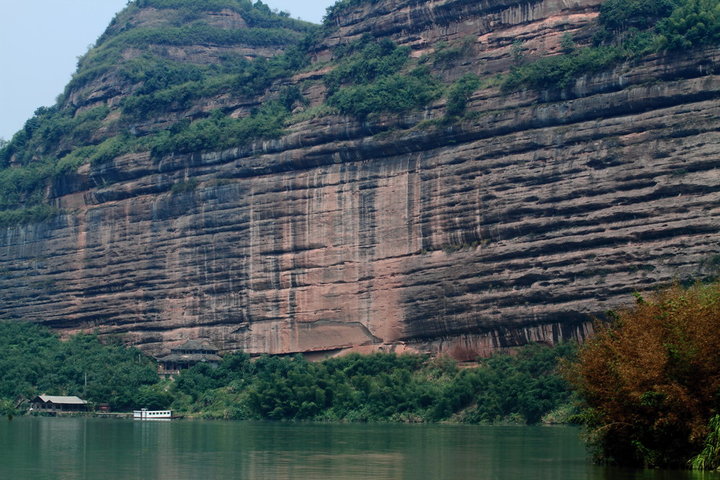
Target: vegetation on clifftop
[[371, 78], [186, 23], [165, 102], [626, 29], [58, 139]]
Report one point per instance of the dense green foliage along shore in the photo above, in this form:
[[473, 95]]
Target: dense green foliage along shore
[[379, 387], [647, 384], [35, 361], [521, 388]]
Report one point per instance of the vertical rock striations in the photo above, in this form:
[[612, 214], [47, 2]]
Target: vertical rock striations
[[518, 223]]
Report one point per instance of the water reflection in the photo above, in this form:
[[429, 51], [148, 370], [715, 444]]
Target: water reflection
[[611, 473], [62, 448]]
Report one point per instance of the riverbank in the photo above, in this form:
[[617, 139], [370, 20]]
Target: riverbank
[[118, 415], [518, 388]]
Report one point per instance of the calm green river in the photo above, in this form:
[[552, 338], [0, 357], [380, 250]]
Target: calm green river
[[78, 448]]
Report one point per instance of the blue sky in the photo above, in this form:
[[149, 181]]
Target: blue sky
[[40, 41]]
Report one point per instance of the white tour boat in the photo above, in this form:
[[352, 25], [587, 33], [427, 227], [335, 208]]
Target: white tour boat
[[146, 414]]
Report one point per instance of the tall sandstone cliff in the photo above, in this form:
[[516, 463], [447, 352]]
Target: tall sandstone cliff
[[518, 223]]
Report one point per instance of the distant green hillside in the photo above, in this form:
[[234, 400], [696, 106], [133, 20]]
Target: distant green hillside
[[134, 56]]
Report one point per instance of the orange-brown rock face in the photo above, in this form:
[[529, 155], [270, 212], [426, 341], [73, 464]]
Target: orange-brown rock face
[[517, 224]]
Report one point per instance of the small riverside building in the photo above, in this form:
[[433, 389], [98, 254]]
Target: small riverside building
[[186, 355], [52, 403]]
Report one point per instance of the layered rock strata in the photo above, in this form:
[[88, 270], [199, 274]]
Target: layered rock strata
[[519, 223]]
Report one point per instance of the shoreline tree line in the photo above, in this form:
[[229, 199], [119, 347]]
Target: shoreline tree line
[[646, 387]]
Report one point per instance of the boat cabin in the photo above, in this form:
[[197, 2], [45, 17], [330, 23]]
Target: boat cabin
[[146, 414]]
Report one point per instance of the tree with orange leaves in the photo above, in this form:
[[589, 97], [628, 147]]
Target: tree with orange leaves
[[650, 380]]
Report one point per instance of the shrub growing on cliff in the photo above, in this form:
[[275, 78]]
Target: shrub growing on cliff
[[339, 6], [560, 70], [650, 380], [365, 61], [626, 29], [459, 94], [20, 216], [618, 15], [391, 94], [220, 131], [693, 22], [368, 80]]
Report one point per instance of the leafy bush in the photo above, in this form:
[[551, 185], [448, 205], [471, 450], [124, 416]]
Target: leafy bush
[[559, 71], [339, 6], [526, 386], [248, 79], [51, 143], [459, 93], [650, 380], [391, 94], [7, 408], [618, 15], [709, 457], [445, 54], [184, 187], [154, 73], [219, 131], [21, 216], [366, 61], [21, 186], [692, 23], [177, 97], [48, 128], [367, 80]]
